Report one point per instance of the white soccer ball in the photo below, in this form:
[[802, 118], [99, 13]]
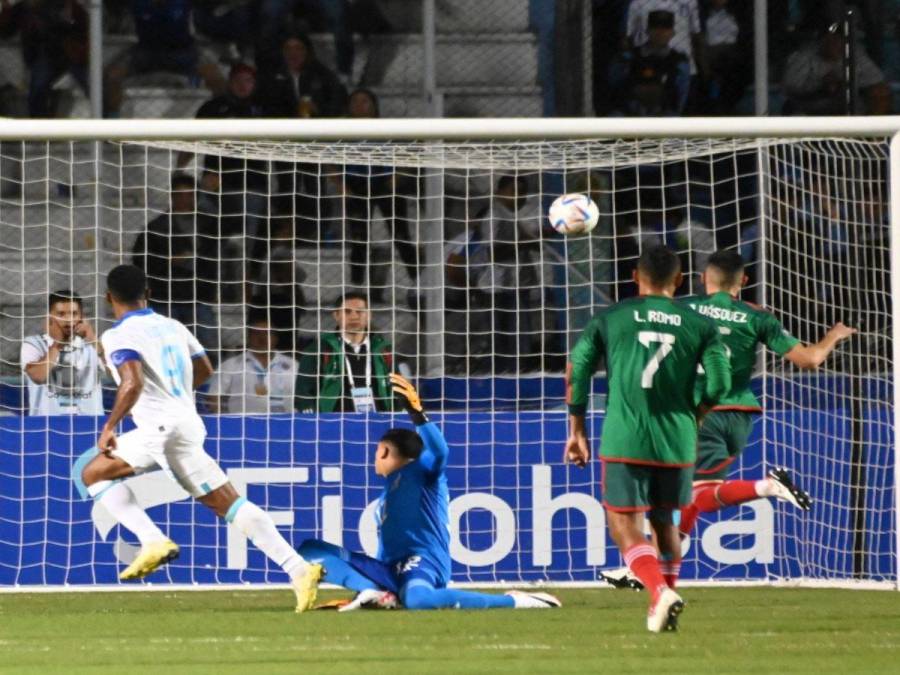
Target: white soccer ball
[[573, 213]]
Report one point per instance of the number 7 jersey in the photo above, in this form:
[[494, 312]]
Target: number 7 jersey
[[652, 346]]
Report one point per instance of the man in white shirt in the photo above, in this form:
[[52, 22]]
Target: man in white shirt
[[258, 380], [156, 363], [62, 365]]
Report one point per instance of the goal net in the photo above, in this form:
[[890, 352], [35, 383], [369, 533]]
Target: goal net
[[253, 244]]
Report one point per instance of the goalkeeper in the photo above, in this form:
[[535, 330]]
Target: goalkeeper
[[413, 529]]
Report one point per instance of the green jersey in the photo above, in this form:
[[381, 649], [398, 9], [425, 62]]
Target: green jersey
[[652, 346], [743, 327]]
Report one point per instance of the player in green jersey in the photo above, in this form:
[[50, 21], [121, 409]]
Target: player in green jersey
[[652, 346], [727, 428]]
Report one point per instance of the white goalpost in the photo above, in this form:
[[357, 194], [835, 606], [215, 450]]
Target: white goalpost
[[251, 227]]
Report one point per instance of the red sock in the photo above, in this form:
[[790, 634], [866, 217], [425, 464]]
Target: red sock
[[641, 560], [670, 570], [689, 515], [705, 499], [737, 492]]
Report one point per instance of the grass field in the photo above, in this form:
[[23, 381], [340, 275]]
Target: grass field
[[741, 630]]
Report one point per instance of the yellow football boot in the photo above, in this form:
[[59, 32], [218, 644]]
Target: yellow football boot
[[151, 558]]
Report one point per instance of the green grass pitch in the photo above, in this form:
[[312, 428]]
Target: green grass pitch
[[723, 630]]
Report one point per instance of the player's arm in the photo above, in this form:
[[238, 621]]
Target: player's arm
[[718, 372], [434, 454], [203, 368], [810, 357], [131, 376], [582, 365]]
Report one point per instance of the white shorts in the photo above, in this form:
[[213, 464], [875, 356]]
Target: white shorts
[[178, 450]]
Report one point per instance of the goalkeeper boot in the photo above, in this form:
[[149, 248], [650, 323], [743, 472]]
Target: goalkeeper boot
[[533, 600], [787, 491], [622, 578], [151, 558], [306, 586], [371, 599], [664, 613]]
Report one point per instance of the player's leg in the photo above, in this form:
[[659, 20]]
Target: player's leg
[[101, 477], [423, 586], [345, 568], [626, 497], [670, 491], [257, 526], [721, 439], [203, 479], [628, 492], [668, 541], [375, 582]]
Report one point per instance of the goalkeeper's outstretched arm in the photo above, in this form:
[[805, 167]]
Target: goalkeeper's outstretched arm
[[434, 455]]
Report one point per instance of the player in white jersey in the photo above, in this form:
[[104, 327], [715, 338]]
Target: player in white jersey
[[156, 363]]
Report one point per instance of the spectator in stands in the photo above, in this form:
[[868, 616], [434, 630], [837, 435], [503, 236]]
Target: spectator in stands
[[182, 279], [242, 184], [687, 36], [652, 80], [468, 307], [258, 380], [344, 18], [347, 370], [62, 365], [302, 86], [726, 81], [511, 228], [248, 26], [368, 191], [165, 43], [54, 42], [814, 80], [280, 295]]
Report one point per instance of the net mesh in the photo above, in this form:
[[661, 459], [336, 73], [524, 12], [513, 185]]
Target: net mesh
[[479, 301]]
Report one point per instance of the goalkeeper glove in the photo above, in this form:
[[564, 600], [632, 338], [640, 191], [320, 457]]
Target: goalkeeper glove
[[409, 397]]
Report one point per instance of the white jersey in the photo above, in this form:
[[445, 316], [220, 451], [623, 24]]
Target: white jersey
[[165, 349], [244, 385], [73, 387]]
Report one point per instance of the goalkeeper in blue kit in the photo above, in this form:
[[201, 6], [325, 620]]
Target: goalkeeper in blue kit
[[413, 563]]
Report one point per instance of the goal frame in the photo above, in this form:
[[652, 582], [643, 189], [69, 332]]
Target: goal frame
[[518, 129]]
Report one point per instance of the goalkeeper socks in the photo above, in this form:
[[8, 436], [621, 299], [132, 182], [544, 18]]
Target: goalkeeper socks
[[641, 560], [255, 524], [119, 500]]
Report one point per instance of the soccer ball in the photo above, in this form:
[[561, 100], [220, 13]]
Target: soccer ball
[[573, 214]]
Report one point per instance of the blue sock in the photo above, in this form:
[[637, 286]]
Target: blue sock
[[337, 570], [419, 594]]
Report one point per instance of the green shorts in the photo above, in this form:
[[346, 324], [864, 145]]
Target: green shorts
[[639, 487], [720, 440]]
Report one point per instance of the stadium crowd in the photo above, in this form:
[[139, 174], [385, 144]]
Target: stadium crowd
[[232, 234]]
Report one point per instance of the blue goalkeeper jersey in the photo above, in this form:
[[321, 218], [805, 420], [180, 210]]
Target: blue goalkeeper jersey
[[413, 510]]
